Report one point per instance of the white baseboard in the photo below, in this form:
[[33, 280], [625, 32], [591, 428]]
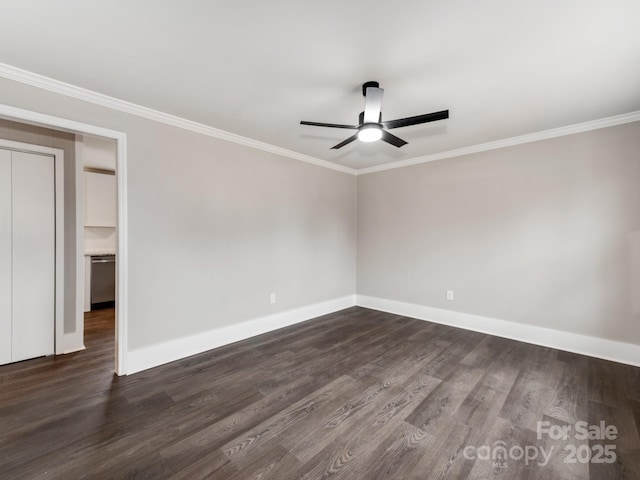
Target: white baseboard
[[571, 342], [179, 348]]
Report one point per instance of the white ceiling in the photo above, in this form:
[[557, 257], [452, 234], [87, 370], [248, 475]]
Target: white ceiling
[[256, 68]]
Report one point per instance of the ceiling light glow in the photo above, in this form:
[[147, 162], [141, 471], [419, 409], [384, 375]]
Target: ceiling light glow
[[369, 133]]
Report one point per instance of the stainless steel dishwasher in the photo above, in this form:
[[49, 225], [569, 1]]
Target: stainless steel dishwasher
[[103, 281]]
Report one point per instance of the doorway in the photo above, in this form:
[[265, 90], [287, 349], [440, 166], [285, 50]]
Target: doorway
[[74, 271]]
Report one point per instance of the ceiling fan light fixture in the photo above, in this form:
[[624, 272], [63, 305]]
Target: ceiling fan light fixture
[[370, 127], [370, 133]]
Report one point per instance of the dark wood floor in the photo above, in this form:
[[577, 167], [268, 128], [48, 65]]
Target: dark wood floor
[[354, 395]]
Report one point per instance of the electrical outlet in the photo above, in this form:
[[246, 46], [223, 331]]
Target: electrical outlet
[[272, 298], [449, 294]]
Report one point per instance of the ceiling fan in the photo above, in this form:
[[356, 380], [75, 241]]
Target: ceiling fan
[[370, 126]]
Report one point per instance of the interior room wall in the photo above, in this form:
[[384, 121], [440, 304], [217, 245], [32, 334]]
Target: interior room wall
[[544, 234], [19, 132], [215, 227]]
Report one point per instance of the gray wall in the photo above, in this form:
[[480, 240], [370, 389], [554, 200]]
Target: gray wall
[[546, 233], [18, 132], [215, 227]]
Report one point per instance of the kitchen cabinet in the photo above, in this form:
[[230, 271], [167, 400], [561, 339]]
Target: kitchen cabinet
[[100, 200]]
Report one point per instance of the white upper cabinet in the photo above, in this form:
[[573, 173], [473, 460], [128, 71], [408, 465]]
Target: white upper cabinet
[[99, 153], [100, 200]]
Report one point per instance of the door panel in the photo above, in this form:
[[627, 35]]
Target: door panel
[[5, 256], [33, 295]]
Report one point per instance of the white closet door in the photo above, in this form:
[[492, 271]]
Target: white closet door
[[5, 256], [33, 233]]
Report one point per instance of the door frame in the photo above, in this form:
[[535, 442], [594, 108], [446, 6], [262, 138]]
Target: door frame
[[48, 121]]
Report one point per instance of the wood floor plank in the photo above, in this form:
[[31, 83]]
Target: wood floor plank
[[214, 434], [482, 406], [358, 394], [553, 464], [445, 460], [606, 382], [397, 456], [532, 391], [490, 463], [214, 463], [444, 402], [382, 404], [627, 443], [353, 450], [286, 419], [571, 386]]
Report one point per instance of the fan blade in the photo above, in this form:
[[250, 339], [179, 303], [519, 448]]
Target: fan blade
[[331, 125], [373, 104], [345, 142], [392, 139], [405, 122]]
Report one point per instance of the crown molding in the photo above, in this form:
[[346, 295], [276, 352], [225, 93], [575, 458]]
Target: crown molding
[[55, 86], [509, 142]]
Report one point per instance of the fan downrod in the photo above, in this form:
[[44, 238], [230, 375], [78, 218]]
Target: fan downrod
[[367, 85]]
